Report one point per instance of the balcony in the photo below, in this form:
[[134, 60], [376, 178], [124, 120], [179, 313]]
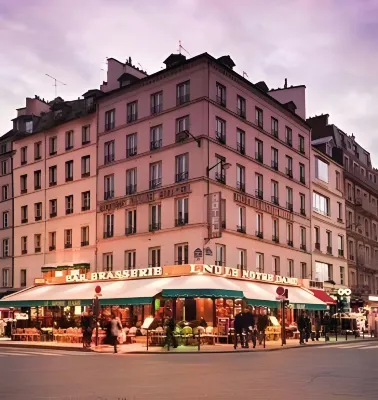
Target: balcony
[[289, 173], [23, 191], [37, 250], [68, 245], [302, 179], [275, 200], [132, 117], [341, 253], [69, 211], [317, 246], [275, 133], [259, 157], [274, 165], [303, 212], [154, 265], [221, 101], [109, 194], [290, 243], [240, 229], [241, 113], [131, 152], [289, 206], [155, 226], [85, 207], [240, 186], [131, 189], [69, 147], [130, 230], [259, 234], [289, 142], [85, 174], [259, 194], [182, 220], [221, 137], [240, 148], [183, 99], [340, 220], [52, 183], [85, 243], [156, 144], [182, 176], [302, 150], [329, 250], [52, 248], [69, 178], [38, 218], [37, 158], [303, 247], [24, 221], [108, 234], [23, 162], [275, 239], [53, 214], [108, 158], [156, 109], [37, 187], [109, 126], [259, 123], [155, 183], [366, 207], [24, 252], [53, 153], [220, 177], [220, 263]]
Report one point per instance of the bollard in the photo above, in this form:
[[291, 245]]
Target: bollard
[[336, 334], [363, 333], [147, 339], [199, 339], [264, 337], [346, 334]]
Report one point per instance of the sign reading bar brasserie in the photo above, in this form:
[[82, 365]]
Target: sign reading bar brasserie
[[147, 197]]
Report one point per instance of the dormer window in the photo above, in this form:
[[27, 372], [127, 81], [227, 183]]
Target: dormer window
[[29, 126], [329, 149], [58, 113], [89, 103]]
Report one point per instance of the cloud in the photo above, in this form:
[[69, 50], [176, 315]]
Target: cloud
[[330, 46]]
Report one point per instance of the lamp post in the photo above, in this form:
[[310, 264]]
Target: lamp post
[[185, 134]]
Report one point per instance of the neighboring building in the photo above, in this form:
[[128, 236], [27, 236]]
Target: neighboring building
[[329, 255], [198, 140], [54, 187], [6, 213], [361, 213]]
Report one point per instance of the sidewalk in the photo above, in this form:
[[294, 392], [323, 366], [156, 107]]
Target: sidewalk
[[140, 348]]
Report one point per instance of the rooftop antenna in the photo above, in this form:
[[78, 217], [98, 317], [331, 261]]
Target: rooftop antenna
[[56, 83], [182, 48], [141, 66], [245, 75]]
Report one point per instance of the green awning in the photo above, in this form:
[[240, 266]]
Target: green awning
[[126, 301], [317, 307], [45, 303], [262, 303], [213, 293]]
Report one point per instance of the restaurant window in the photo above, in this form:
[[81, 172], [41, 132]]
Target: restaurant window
[[68, 238], [69, 140], [85, 201], [52, 241], [182, 167], [69, 204], [5, 277], [85, 134], [276, 265], [290, 267], [220, 254], [130, 259], [37, 151], [182, 215], [156, 102], [24, 155], [131, 145], [85, 166], [109, 120], [321, 170], [259, 225], [132, 111], [259, 262], [342, 275], [24, 183], [5, 219], [181, 253], [24, 214], [108, 262], [37, 179], [84, 236], [4, 192], [304, 270], [37, 243], [53, 145], [320, 204], [38, 211], [109, 152], [131, 221], [154, 257], [155, 175], [24, 245], [53, 207], [23, 278], [242, 259], [131, 181], [108, 225], [6, 247], [155, 217]]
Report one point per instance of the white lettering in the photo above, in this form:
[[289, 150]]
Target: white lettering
[[208, 268], [134, 273], [94, 276], [234, 272], [143, 272], [218, 269], [157, 271], [118, 274], [264, 277], [102, 275], [270, 278]]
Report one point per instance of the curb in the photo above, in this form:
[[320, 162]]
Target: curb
[[42, 347]]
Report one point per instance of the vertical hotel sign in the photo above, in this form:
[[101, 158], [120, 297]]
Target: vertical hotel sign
[[215, 218]]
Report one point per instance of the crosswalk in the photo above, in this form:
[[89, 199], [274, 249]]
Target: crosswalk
[[17, 352], [350, 346]]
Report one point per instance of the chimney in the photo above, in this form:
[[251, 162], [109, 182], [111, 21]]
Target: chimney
[[285, 86]]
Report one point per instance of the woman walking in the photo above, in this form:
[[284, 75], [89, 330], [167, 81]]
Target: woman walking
[[115, 326]]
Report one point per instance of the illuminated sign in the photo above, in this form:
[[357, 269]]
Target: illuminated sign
[[215, 226]]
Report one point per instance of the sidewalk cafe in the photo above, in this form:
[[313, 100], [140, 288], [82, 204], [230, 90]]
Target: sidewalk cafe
[[196, 296]]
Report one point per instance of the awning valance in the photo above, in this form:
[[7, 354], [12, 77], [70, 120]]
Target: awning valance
[[323, 296]]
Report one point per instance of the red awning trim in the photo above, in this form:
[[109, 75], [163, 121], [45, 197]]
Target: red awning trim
[[323, 296]]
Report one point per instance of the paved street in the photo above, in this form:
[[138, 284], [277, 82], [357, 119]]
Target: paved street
[[329, 372]]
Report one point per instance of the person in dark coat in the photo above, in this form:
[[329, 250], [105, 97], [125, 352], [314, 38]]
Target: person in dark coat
[[318, 326], [262, 324], [327, 326], [169, 332], [308, 329], [302, 327], [87, 329], [249, 326], [238, 329]]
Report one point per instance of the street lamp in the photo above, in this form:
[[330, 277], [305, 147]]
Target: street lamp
[[224, 165], [185, 134]]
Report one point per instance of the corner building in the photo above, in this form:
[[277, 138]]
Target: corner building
[[198, 165]]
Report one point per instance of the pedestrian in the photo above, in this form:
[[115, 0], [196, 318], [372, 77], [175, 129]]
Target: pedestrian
[[301, 327], [169, 332], [318, 326], [327, 326], [308, 328], [262, 324], [238, 329], [249, 326], [115, 326]]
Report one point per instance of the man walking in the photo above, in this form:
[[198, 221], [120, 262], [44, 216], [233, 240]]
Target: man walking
[[301, 327], [238, 329], [262, 324], [249, 326]]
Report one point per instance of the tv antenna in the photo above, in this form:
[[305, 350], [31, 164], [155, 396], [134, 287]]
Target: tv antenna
[[182, 48], [56, 81]]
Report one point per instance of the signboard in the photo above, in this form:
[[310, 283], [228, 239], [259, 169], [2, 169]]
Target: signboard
[[215, 226], [198, 253], [147, 197], [208, 251]]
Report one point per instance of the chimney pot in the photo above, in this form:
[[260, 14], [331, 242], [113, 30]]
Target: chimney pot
[[285, 83]]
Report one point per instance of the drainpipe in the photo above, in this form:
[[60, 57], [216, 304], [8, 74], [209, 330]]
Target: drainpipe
[[12, 194], [45, 192], [96, 187], [310, 187], [208, 158]]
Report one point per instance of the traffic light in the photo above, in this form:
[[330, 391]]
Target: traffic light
[[340, 304]]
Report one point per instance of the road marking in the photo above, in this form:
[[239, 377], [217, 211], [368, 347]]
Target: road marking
[[350, 346], [370, 347], [15, 354], [42, 354]]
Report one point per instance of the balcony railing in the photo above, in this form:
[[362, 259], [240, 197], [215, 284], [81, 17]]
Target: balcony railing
[[24, 221], [241, 112], [240, 186], [259, 234], [289, 142], [289, 172], [275, 239], [109, 125], [132, 151], [85, 207], [132, 117], [220, 177], [108, 158], [221, 100], [156, 109], [302, 179], [53, 214], [108, 234], [155, 183], [68, 245], [85, 174], [156, 144], [242, 267], [259, 157], [155, 226], [183, 99], [303, 247], [329, 249], [240, 148], [37, 187], [182, 176], [37, 250], [275, 133], [130, 230], [275, 200], [131, 189], [24, 251], [85, 243], [52, 248], [69, 211], [69, 178], [182, 220], [302, 150], [109, 194], [303, 212], [290, 243], [259, 194], [289, 206], [23, 191], [317, 246], [38, 217], [274, 165], [221, 137], [52, 183], [241, 228], [341, 252]]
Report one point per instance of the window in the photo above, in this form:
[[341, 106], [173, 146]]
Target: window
[[220, 254], [274, 127], [259, 225], [4, 192], [220, 171], [275, 230], [84, 236], [156, 133], [182, 211], [53, 145], [338, 180], [109, 120], [302, 199], [182, 124], [4, 167], [24, 214], [317, 237], [3, 148], [183, 93], [108, 152], [181, 253], [85, 201], [85, 166], [301, 144], [289, 136], [274, 186], [302, 177], [53, 175], [320, 204], [38, 211], [108, 187], [108, 262], [131, 181], [130, 259], [69, 171], [289, 234], [23, 278], [182, 167], [24, 245], [240, 178], [221, 94], [241, 106], [242, 259], [220, 133], [132, 111], [68, 238], [290, 268], [156, 103], [259, 151], [131, 222], [5, 247], [303, 238], [240, 141], [351, 250], [86, 134], [24, 155], [350, 192], [304, 271], [5, 219], [329, 242], [155, 175], [321, 170], [154, 257], [342, 275], [29, 126], [69, 204], [276, 265], [259, 118], [241, 220], [69, 140], [24, 183], [346, 163], [259, 262], [339, 212], [108, 225], [259, 186], [52, 241], [5, 276], [323, 272], [340, 245], [289, 166], [274, 163], [37, 180], [289, 198], [155, 217], [53, 207]]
